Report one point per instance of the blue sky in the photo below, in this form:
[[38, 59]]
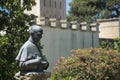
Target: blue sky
[[67, 6], [4, 10]]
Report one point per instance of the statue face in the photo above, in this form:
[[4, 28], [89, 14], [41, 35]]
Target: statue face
[[37, 35], [36, 32]]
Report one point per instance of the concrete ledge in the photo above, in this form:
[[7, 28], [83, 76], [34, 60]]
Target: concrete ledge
[[64, 24], [107, 20]]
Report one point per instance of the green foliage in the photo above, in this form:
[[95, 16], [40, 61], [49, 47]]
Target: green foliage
[[89, 64], [15, 23], [86, 10], [7, 63], [117, 44], [106, 44], [110, 44], [82, 10]]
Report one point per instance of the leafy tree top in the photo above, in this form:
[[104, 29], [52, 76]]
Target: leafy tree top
[[15, 23], [90, 10]]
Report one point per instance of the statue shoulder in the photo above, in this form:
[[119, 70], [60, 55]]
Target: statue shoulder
[[27, 44]]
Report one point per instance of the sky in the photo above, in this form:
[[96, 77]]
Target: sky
[[67, 6]]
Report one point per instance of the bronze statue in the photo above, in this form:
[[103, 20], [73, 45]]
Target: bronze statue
[[30, 57]]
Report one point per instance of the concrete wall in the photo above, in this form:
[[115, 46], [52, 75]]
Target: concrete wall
[[60, 40], [109, 28], [53, 8], [49, 9]]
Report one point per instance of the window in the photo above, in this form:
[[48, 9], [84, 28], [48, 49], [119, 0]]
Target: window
[[50, 3], [60, 4], [44, 3], [55, 4], [60, 17], [44, 15], [55, 16]]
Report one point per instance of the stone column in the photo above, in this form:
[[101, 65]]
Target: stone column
[[74, 25], [42, 21], [34, 76], [84, 26], [53, 22], [93, 27], [63, 24]]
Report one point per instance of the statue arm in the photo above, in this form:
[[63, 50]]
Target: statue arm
[[33, 57], [21, 55]]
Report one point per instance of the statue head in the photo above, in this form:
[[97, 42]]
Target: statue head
[[36, 32]]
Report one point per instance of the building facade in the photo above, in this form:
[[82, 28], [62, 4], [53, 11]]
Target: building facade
[[49, 9]]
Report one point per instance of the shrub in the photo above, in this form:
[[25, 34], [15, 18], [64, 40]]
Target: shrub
[[117, 44], [110, 44], [107, 44], [88, 64]]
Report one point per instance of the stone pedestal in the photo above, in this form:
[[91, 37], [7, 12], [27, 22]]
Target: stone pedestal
[[34, 76]]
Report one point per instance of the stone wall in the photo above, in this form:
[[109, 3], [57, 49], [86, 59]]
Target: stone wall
[[109, 28], [60, 37]]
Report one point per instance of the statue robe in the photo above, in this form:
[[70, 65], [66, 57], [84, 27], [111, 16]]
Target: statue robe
[[27, 51]]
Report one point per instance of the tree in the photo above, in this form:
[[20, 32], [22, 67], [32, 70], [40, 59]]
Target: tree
[[14, 24], [90, 10]]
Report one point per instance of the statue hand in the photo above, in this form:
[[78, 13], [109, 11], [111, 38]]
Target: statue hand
[[43, 62], [38, 58]]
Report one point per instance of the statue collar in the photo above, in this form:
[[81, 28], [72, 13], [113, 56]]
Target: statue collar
[[31, 40]]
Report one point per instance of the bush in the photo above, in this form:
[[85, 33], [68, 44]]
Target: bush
[[88, 64], [107, 44], [110, 44], [117, 44]]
